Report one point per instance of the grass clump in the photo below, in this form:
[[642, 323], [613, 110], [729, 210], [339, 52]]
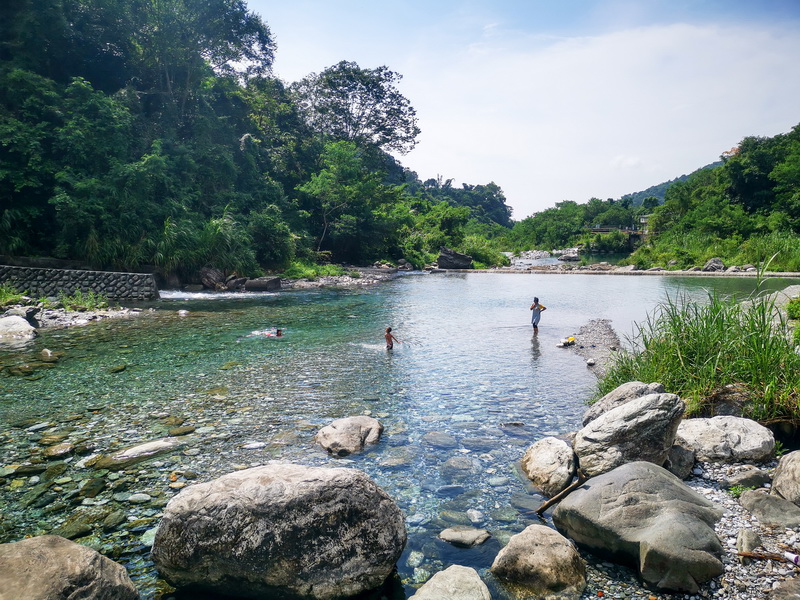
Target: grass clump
[[310, 271], [793, 308], [696, 351], [9, 295], [82, 301]]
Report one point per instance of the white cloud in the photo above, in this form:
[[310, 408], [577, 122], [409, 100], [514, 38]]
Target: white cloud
[[558, 121]]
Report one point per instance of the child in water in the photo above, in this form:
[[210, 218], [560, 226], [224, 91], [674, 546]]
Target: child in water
[[537, 309], [390, 339]]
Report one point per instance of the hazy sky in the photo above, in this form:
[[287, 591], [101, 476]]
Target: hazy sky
[[562, 99]]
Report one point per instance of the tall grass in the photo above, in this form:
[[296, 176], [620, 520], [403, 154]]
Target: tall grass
[[9, 295], [695, 350], [307, 270], [81, 301]]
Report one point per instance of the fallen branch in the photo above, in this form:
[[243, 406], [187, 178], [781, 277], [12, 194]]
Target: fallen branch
[[563, 493], [764, 556]]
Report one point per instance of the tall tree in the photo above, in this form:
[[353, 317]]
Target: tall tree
[[364, 106]]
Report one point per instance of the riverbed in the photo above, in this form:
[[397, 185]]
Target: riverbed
[[469, 379]]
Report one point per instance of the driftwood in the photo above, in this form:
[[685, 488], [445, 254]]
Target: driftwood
[[764, 556], [563, 493]]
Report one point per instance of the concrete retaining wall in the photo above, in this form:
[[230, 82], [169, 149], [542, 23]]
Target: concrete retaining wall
[[39, 282]]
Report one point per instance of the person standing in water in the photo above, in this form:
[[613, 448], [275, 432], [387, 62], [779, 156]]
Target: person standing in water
[[390, 339], [537, 309]]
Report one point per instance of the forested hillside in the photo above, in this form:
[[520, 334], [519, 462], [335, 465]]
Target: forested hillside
[[745, 210], [136, 132]]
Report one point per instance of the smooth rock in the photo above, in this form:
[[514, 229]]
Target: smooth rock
[[750, 477], [642, 515], [50, 567], [458, 468], [772, 511], [349, 435], [542, 562], [437, 439], [281, 530], [454, 583], [136, 454], [463, 536], [16, 327], [550, 464], [726, 439]]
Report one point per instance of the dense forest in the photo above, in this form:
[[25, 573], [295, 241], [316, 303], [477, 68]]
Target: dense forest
[[136, 133], [153, 133]]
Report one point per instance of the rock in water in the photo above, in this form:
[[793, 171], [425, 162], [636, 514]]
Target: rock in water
[[550, 464], [281, 530], [349, 435], [16, 327], [455, 583], [49, 566], [642, 515]]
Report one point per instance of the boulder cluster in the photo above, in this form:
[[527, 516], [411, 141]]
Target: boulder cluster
[[285, 530]]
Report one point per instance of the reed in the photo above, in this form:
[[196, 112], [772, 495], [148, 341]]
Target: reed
[[696, 350]]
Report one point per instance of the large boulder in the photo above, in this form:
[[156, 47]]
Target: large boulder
[[50, 567], [550, 464], [713, 265], [281, 530], [543, 562], [726, 439], [642, 515], [15, 326], [349, 435], [786, 481], [454, 583], [642, 429], [263, 284], [450, 259], [619, 396]]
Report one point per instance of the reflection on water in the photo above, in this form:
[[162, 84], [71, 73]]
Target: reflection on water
[[468, 367]]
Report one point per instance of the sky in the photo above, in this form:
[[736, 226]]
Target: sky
[[557, 100]]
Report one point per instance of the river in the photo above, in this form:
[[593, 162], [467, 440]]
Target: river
[[469, 367]]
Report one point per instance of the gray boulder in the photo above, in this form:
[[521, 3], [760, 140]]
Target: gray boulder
[[786, 481], [726, 439], [772, 511], [450, 259], [281, 530], [543, 562], [15, 326], [642, 429], [642, 515], [263, 284], [748, 477], [619, 396], [680, 461], [50, 567], [713, 265], [349, 435], [454, 583], [550, 464], [464, 536]]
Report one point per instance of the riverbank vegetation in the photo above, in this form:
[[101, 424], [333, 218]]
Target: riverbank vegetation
[[139, 134], [723, 351]]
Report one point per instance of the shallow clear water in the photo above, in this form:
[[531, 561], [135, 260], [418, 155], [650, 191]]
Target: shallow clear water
[[469, 367]]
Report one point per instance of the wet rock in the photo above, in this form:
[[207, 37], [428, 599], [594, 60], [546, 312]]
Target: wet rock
[[542, 562], [185, 430], [93, 487], [550, 464], [140, 453], [643, 515], [438, 439], [349, 435], [281, 530], [464, 536], [48, 567], [642, 429], [454, 583], [726, 439], [59, 450], [458, 468]]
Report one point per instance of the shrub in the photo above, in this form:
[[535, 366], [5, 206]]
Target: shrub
[[81, 301], [9, 295], [696, 350], [793, 308], [306, 270]]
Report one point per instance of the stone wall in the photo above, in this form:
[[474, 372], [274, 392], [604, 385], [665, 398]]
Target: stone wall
[[40, 282]]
